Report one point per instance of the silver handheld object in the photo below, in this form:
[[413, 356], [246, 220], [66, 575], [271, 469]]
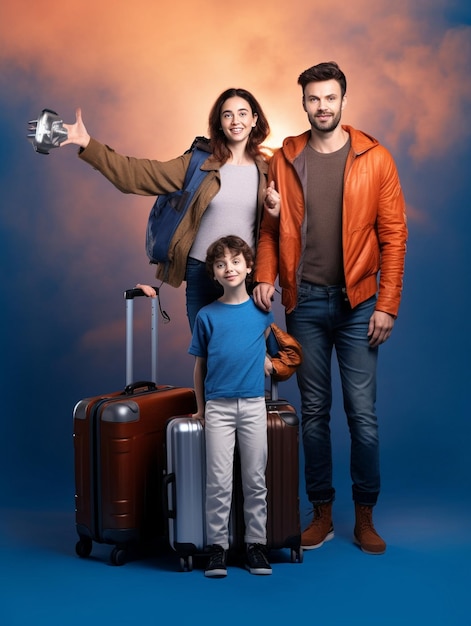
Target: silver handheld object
[[46, 132]]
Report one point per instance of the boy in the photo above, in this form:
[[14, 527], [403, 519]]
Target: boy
[[229, 343]]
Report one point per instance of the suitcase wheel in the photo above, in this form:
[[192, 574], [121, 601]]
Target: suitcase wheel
[[297, 555], [186, 564], [118, 555], [83, 547]]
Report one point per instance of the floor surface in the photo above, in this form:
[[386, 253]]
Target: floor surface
[[423, 579]]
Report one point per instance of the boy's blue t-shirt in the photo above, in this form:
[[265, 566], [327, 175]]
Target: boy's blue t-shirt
[[231, 337]]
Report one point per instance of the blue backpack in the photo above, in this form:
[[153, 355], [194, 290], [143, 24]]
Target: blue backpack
[[169, 209]]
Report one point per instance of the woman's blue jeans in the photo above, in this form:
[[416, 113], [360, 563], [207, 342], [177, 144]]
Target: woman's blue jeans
[[201, 289], [322, 320]]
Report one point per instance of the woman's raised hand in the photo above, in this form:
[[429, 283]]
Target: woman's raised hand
[[77, 133]]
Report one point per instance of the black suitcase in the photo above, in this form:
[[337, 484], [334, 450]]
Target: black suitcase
[[118, 455]]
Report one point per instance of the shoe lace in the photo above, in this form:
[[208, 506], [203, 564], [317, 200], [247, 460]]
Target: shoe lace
[[216, 557], [257, 555], [318, 514], [366, 519]]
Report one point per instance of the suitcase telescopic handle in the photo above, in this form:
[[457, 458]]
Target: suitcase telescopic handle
[[129, 296], [135, 292]]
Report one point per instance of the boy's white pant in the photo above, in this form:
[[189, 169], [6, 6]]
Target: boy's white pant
[[223, 418]]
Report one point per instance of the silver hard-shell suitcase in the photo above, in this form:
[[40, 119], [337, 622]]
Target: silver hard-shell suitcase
[[184, 487]]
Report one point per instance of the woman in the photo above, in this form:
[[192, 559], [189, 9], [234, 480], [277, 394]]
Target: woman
[[230, 199]]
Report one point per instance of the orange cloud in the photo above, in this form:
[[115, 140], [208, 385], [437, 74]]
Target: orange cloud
[[146, 78]]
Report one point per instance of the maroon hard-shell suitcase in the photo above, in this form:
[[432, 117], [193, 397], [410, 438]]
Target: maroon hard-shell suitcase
[[118, 454], [282, 476], [282, 479]]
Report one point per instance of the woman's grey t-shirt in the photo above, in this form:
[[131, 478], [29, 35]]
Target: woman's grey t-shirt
[[233, 210]]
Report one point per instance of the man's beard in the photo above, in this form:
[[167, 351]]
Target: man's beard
[[326, 128]]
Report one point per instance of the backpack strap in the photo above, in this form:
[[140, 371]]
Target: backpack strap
[[194, 176], [201, 142]]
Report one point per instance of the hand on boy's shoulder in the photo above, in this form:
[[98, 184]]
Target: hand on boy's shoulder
[[262, 295]]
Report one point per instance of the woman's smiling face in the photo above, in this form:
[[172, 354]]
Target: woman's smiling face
[[237, 119]]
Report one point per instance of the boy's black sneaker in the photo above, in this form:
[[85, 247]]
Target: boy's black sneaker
[[216, 567], [257, 561]]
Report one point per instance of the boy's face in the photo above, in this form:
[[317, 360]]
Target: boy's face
[[231, 269]]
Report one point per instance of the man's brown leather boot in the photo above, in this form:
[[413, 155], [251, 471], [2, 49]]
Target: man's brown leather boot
[[320, 529], [364, 533]]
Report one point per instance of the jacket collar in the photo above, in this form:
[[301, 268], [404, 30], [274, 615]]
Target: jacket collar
[[360, 142]]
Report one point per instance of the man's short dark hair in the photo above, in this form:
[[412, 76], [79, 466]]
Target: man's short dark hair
[[321, 72]]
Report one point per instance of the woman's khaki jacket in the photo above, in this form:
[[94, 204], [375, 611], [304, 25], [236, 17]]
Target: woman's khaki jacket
[[148, 177]]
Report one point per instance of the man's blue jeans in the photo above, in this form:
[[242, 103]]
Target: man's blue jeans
[[200, 289], [324, 319]]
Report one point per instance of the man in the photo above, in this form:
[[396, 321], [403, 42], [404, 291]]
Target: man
[[341, 226]]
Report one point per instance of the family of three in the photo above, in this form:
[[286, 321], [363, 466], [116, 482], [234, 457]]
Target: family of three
[[325, 216]]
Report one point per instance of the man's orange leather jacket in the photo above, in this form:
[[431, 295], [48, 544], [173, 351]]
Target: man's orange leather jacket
[[374, 229]]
